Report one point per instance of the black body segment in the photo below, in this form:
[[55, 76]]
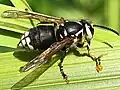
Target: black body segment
[[69, 29], [72, 27], [42, 37]]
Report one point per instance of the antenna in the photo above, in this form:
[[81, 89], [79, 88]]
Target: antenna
[[107, 28], [104, 42]]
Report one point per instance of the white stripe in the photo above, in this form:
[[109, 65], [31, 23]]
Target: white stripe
[[79, 23], [61, 36], [22, 37], [26, 34], [89, 34], [28, 43], [65, 32], [20, 45], [23, 42], [81, 31]]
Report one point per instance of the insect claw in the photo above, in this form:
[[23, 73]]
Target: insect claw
[[66, 79], [98, 63]]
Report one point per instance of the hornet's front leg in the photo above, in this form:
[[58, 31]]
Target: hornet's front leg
[[96, 59], [61, 67]]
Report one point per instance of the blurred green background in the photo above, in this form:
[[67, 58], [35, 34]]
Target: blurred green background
[[104, 12]]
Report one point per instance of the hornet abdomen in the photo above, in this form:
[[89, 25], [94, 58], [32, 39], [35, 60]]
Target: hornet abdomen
[[40, 37]]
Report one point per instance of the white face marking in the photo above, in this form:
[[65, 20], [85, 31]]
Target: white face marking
[[65, 32], [89, 34], [61, 36], [28, 43], [81, 31]]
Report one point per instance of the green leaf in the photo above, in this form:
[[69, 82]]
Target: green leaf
[[81, 70], [21, 4]]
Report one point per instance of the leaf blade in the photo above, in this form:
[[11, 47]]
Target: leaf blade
[[21, 4]]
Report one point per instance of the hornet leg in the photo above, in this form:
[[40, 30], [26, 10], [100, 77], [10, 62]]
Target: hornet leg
[[61, 67], [88, 47], [96, 59]]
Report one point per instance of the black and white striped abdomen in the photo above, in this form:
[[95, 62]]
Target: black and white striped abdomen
[[40, 37], [25, 41]]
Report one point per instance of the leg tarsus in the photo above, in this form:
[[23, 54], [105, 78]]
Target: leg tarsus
[[98, 63], [96, 59], [65, 77]]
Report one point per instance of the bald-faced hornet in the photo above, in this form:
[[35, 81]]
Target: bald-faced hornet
[[54, 35]]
